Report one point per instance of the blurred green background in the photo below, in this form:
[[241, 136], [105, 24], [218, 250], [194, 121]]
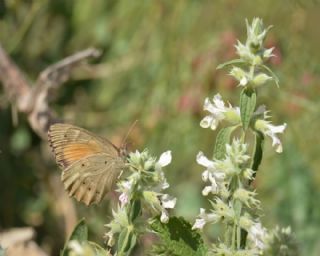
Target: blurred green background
[[159, 63]]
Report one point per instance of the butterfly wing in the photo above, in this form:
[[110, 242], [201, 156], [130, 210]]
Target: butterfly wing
[[70, 144], [90, 178], [90, 163]]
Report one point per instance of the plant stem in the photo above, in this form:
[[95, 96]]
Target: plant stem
[[234, 236]]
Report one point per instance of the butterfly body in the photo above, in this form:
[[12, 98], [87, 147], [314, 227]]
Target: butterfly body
[[90, 164]]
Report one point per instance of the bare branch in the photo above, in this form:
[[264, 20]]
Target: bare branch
[[16, 86], [59, 73], [33, 100]]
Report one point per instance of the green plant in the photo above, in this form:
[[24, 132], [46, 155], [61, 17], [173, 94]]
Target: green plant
[[229, 176]]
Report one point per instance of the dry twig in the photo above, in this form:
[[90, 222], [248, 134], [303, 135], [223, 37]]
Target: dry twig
[[33, 100]]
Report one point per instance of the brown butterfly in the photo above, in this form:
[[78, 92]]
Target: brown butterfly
[[90, 164]]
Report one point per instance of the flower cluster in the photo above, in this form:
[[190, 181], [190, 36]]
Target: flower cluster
[[220, 172], [253, 51], [228, 175], [225, 178], [281, 241], [218, 112], [143, 188], [148, 182]]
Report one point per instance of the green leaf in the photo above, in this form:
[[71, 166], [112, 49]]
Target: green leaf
[[98, 250], [222, 139], [126, 242], [80, 233], [135, 210], [258, 152], [231, 62], [276, 79], [178, 238], [248, 100]]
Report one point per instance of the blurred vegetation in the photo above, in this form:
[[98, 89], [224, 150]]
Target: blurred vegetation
[[159, 63]]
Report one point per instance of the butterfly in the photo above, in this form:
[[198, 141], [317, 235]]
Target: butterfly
[[90, 164]]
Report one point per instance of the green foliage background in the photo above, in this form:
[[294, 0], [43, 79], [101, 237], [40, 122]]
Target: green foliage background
[[159, 63]]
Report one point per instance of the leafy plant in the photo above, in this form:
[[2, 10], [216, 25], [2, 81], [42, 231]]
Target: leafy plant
[[228, 178]]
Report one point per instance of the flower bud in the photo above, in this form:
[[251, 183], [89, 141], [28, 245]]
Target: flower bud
[[246, 197], [267, 53], [248, 174], [246, 222], [240, 75], [232, 115], [260, 79], [148, 164]]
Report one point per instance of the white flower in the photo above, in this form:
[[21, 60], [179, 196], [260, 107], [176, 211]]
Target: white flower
[[168, 202], [218, 112], [271, 130], [147, 181], [199, 224], [165, 159], [247, 197], [258, 235], [158, 175], [240, 75], [160, 203], [237, 152], [204, 161], [211, 174], [205, 218], [125, 187], [264, 126]]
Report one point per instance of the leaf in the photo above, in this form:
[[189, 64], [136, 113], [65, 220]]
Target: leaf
[[248, 100], [276, 79], [178, 238], [222, 139], [80, 233], [98, 250], [258, 152], [236, 61], [126, 241], [135, 210]]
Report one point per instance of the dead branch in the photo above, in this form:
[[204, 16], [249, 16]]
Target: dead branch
[[15, 85], [33, 99]]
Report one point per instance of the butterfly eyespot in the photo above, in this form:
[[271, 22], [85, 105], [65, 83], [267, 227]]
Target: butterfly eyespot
[[105, 162], [82, 165], [83, 182], [89, 188]]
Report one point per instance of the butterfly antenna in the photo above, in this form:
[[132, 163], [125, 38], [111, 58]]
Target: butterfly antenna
[[129, 131]]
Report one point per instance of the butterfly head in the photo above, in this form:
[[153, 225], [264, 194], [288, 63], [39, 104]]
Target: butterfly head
[[123, 151]]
